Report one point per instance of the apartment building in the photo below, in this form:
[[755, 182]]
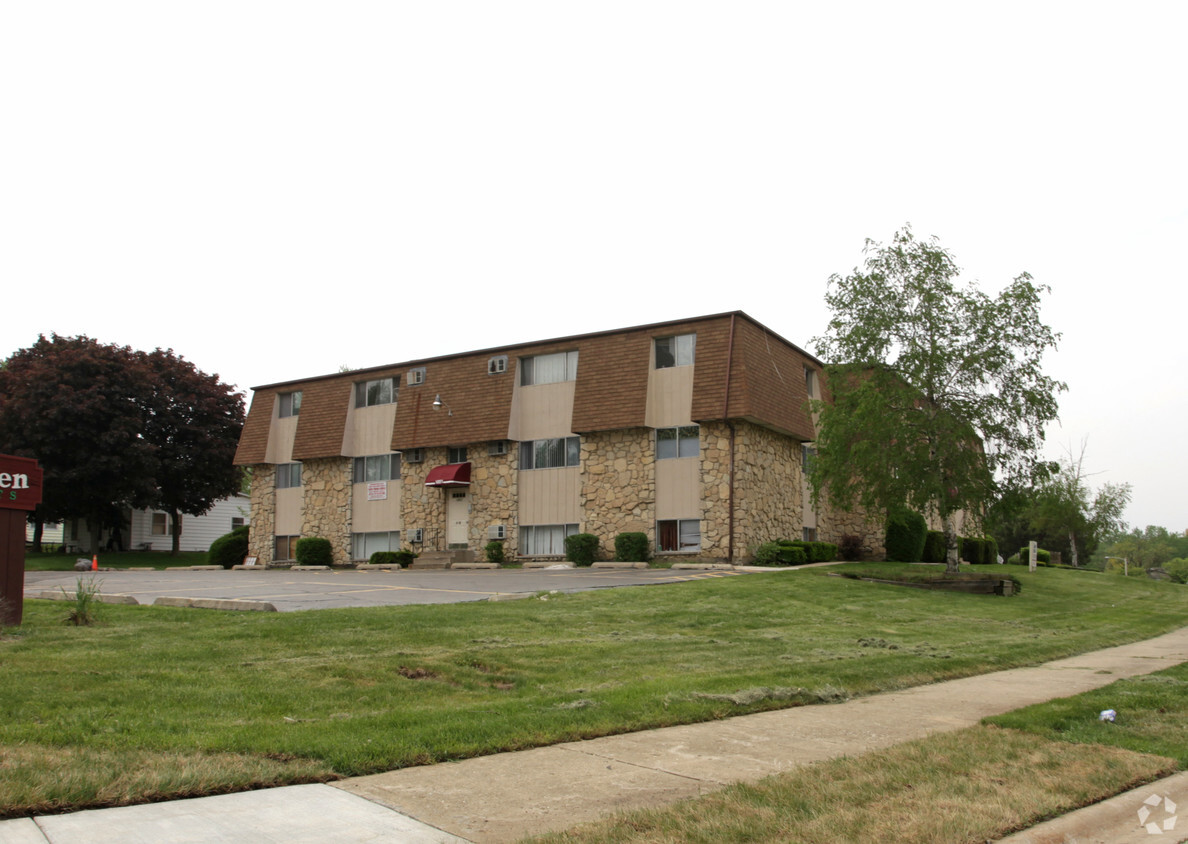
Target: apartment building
[[694, 432]]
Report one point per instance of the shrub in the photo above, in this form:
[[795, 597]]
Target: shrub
[[793, 556], [405, 557], [991, 549], [581, 548], [827, 552], [631, 547], [971, 549], [906, 531], [934, 547], [850, 547], [229, 549], [385, 558], [767, 554], [1044, 558], [494, 552], [1177, 569], [314, 551]]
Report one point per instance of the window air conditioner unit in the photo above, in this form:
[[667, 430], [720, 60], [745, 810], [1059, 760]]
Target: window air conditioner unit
[[416, 536], [497, 365], [497, 448], [497, 532]]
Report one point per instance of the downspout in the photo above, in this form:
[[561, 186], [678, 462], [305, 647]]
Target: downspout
[[730, 426]]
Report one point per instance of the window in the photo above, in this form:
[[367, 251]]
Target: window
[[290, 404], [808, 454], [288, 475], [497, 364], [810, 383], [414, 455], [378, 467], [363, 545], [551, 454], [678, 535], [677, 442], [160, 524], [810, 534], [497, 448], [455, 455], [675, 351], [236, 522], [416, 376], [545, 540], [380, 391], [548, 369], [286, 548]]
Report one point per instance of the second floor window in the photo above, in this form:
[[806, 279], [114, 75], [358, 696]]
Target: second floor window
[[377, 467], [675, 351], [455, 455], [548, 369], [551, 454], [677, 442], [290, 404], [288, 475], [379, 391]]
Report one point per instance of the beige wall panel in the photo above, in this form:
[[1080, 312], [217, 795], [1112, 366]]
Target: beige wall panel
[[542, 411], [550, 496], [670, 397], [369, 430], [288, 511], [280, 440], [370, 516], [678, 488]]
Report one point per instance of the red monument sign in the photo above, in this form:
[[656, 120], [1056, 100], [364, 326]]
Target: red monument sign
[[20, 492]]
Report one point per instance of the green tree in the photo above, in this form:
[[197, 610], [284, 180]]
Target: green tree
[[1145, 548], [1063, 506], [937, 388]]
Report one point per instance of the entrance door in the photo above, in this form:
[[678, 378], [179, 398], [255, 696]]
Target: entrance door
[[458, 518]]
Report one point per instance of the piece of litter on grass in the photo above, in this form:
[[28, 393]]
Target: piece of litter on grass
[[1107, 715]]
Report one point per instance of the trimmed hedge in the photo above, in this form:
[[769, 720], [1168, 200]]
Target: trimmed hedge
[[991, 549], [767, 554], [384, 558], [934, 547], [494, 552], [906, 532], [229, 549], [632, 548], [971, 550], [314, 551], [581, 548], [1044, 558]]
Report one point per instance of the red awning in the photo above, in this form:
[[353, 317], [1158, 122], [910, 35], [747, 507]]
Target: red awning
[[452, 474]]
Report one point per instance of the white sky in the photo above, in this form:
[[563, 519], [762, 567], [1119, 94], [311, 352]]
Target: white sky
[[219, 177]]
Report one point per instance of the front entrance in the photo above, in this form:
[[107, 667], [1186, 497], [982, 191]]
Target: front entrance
[[458, 518]]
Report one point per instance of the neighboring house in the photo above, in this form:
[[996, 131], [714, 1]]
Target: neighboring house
[[151, 530], [50, 534], [693, 432]]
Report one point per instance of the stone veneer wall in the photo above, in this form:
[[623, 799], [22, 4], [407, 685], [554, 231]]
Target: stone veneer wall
[[262, 531], [422, 506], [833, 524], [326, 511], [618, 477], [715, 491], [493, 496], [768, 501]]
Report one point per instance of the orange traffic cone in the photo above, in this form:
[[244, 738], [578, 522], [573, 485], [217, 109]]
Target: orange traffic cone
[[95, 563]]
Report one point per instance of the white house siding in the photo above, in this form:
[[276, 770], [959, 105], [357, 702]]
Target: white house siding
[[50, 534], [197, 531]]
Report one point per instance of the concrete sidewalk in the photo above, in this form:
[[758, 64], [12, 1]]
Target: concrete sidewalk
[[504, 797]]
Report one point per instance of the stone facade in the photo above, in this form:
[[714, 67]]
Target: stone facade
[[422, 506], [833, 524], [493, 489], [618, 485], [261, 534], [768, 481], [326, 487]]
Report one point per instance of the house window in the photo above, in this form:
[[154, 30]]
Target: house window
[[810, 382], [455, 455], [416, 376], [160, 524], [548, 369], [286, 548], [675, 351], [808, 454], [544, 540], [810, 534], [377, 467], [288, 475], [497, 364], [551, 454], [380, 391], [678, 535], [290, 404], [363, 545], [414, 455], [677, 442], [237, 522]]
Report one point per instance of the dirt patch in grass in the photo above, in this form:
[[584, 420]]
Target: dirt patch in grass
[[968, 786]]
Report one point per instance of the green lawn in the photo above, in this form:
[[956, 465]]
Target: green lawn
[[169, 697], [114, 559]]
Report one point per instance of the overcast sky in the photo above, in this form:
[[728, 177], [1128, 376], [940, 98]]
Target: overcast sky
[[275, 190]]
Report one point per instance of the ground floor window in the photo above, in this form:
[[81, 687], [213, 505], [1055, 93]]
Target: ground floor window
[[160, 524], [544, 540], [363, 545], [286, 548], [810, 534], [678, 535]]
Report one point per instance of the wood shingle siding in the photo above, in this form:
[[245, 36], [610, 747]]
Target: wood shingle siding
[[253, 442], [322, 421]]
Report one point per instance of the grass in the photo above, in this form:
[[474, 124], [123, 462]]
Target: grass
[[114, 559], [345, 692], [973, 785]]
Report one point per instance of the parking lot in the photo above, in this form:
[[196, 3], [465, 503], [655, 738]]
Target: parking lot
[[311, 590]]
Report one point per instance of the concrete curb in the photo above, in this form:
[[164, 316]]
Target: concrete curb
[[511, 596], [214, 604], [380, 567], [703, 566], [100, 597], [310, 568], [613, 565], [474, 566]]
